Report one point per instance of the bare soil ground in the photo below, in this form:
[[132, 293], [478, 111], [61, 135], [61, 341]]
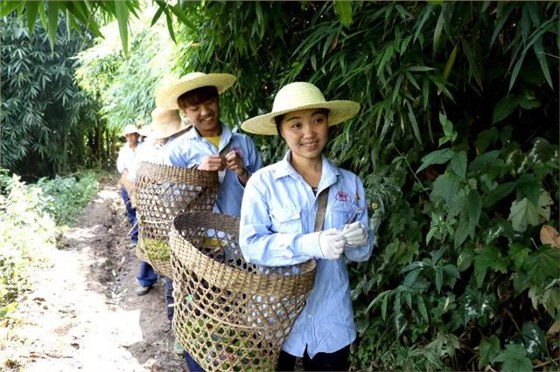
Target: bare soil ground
[[84, 313]]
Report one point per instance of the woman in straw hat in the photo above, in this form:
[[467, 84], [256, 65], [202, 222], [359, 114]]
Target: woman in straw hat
[[165, 127], [125, 163], [279, 211], [211, 146]]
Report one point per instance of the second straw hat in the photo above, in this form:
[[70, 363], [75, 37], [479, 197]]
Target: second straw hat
[[165, 123], [166, 96], [300, 96]]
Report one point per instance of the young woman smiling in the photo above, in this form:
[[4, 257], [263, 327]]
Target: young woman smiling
[[280, 208]]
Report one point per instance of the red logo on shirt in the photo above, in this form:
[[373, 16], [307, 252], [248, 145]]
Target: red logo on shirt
[[342, 196], [238, 151]]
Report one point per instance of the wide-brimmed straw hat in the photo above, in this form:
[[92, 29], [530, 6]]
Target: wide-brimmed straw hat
[[300, 96], [166, 96], [165, 123], [129, 129]]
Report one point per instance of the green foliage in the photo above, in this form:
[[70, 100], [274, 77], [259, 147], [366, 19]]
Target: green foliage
[[67, 196], [30, 217], [46, 119], [514, 358], [125, 85], [26, 230], [81, 15], [476, 262]]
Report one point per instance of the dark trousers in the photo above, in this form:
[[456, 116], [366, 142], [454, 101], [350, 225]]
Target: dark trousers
[[337, 361], [130, 214], [192, 364], [168, 287], [146, 275]]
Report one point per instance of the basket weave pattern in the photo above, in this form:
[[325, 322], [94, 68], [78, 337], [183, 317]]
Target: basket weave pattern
[[230, 314], [163, 192]]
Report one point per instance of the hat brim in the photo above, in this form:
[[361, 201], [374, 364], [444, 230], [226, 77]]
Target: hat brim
[[166, 133], [339, 111], [145, 131], [167, 96]]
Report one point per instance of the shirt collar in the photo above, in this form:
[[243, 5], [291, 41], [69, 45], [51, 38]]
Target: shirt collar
[[225, 136], [329, 175]]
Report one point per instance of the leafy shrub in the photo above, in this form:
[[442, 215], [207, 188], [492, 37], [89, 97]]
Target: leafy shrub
[[460, 262], [29, 216], [67, 196], [26, 230]]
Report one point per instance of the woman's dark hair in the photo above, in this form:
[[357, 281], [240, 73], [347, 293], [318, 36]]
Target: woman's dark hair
[[278, 119], [197, 96]]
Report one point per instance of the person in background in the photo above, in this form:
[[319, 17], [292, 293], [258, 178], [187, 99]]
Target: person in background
[[210, 145], [166, 127], [142, 131], [125, 162], [280, 206]]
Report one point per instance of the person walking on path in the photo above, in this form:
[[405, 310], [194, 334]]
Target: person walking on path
[[125, 162], [278, 214], [166, 126], [210, 145]]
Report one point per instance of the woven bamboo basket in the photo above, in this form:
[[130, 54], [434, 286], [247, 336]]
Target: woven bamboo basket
[[163, 192], [230, 314]]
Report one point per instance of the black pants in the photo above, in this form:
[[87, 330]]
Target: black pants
[[337, 361]]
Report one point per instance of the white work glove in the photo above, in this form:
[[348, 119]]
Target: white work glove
[[331, 243], [355, 234]]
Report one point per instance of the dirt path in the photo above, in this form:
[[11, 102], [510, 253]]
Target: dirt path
[[84, 314]]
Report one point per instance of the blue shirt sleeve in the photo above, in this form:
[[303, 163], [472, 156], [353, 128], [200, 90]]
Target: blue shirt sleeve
[[259, 244]]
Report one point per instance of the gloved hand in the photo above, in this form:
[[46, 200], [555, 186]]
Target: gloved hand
[[331, 243], [355, 234]]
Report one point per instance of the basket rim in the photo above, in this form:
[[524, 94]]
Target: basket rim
[[146, 169], [307, 267]]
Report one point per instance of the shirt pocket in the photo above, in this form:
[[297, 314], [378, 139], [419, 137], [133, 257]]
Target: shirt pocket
[[286, 220], [342, 211]]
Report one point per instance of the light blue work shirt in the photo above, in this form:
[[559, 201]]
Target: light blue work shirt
[[188, 150], [277, 216]]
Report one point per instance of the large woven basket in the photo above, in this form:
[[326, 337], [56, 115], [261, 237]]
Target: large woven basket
[[163, 192], [230, 314]]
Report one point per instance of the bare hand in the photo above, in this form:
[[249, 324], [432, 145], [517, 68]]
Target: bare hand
[[234, 163], [213, 162]]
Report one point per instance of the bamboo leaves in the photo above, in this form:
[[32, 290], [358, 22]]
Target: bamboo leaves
[[121, 13], [344, 10], [504, 108], [78, 13]]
